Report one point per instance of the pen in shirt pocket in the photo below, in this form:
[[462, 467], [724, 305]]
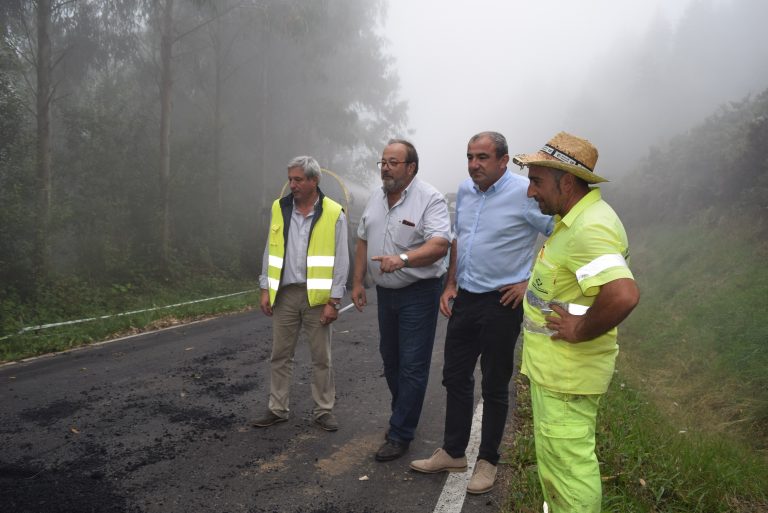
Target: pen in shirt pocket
[[408, 223]]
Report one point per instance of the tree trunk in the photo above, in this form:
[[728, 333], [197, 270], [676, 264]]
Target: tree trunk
[[264, 197], [217, 124], [166, 86], [41, 251]]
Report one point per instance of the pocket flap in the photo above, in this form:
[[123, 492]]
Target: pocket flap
[[568, 431]]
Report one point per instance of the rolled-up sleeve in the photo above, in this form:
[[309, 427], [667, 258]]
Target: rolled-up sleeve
[[437, 222]]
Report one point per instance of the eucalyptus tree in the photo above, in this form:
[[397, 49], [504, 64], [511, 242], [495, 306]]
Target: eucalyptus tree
[[166, 124], [215, 68], [203, 66], [35, 33], [268, 80], [51, 48], [313, 78], [27, 33], [16, 181], [173, 24]]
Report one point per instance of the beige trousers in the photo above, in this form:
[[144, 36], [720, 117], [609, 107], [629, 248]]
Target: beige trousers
[[291, 313]]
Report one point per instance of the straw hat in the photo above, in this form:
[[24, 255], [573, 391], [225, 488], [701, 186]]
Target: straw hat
[[567, 153]]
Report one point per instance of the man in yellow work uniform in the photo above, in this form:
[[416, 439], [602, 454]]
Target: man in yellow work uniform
[[304, 274], [580, 289]]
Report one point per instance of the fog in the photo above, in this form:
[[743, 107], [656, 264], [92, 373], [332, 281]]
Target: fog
[[626, 75], [145, 154]]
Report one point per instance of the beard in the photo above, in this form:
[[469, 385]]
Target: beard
[[391, 185], [546, 209]]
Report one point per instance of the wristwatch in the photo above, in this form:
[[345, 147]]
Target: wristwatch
[[335, 304], [404, 258]]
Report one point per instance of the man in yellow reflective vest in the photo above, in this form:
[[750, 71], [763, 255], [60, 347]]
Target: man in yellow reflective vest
[[580, 289], [304, 275]]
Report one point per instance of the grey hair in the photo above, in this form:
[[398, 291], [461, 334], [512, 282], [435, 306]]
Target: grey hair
[[310, 166], [498, 140], [411, 155]]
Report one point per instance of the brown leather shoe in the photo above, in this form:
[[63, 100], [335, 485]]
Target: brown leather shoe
[[483, 478], [268, 419], [440, 461], [327, 421]]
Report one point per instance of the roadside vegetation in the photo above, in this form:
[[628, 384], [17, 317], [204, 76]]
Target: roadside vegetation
[[649, 463], [102, 313]]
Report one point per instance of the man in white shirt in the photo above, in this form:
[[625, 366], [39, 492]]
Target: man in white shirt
[[304, 272], [403, 238]]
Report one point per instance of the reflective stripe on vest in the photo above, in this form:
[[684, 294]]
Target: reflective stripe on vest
[[276, 251], [321, 253], [571, 308], [544, 306], [531, 326], [589, 270], [599, 265]]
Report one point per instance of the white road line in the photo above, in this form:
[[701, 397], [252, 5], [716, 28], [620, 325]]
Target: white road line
[[103, 342], [125, 337], [123, 314], [451, 500]]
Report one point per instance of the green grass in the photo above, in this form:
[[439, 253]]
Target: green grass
[[683, 427], [699, 338], [648, 464], [651, 464], [68, 301]]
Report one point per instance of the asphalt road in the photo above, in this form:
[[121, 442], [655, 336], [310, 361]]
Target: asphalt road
[[160, 423]]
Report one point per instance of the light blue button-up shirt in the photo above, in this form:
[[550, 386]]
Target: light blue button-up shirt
[[496, 233]]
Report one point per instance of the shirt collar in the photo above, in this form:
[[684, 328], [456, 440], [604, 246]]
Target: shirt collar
[[314, 206], [592, 197], [408, 188]]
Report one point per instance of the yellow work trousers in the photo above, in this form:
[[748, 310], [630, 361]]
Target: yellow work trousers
[[564, 432], [291, 314]]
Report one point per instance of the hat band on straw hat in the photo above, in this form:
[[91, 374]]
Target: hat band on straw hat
[[563, 157]]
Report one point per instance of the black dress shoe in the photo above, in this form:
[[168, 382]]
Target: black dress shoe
[[391, 450]]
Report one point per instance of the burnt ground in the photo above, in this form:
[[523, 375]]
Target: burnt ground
[[160, 423]]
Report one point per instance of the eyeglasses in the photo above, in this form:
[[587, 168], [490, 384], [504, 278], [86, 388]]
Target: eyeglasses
[[390, 163]]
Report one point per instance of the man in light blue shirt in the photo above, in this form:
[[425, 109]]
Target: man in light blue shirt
[[491, 256]]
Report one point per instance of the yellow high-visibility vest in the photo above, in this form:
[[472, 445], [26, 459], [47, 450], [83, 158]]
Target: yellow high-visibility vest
[[587, 249], [321, 252]]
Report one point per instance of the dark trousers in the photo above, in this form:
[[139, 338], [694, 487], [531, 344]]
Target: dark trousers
[[407, 323], [479, 327]]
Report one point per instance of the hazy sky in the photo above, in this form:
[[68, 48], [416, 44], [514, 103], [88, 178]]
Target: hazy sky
[[471, 65]]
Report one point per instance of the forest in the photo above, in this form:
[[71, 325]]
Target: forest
[[141, 141]]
